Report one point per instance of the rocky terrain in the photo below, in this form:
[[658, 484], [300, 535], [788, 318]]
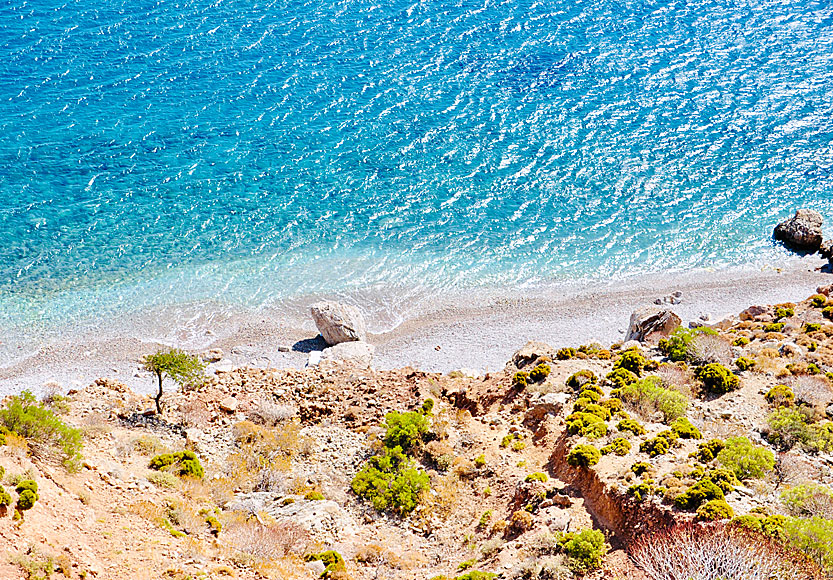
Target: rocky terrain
[[501, 475]]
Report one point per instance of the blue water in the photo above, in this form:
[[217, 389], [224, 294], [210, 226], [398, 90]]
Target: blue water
[[244, 152]]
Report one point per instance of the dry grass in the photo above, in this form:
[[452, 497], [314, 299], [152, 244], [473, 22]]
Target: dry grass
[[709, 348], [269, 413], [263, 538], [812, 390], [194, 413]]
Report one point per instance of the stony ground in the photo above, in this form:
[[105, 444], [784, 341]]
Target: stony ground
[[270, 441]]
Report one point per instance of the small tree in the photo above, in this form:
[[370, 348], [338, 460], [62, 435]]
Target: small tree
[[179, 366]]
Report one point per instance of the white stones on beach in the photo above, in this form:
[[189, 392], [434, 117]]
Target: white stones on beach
[[338, 322], [357, 353], [314, 358], [650, 323], [802, 231]]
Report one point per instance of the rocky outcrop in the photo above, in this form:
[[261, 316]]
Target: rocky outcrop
[[338, 322], [802, 231], [357, 353], [650, 324], [530, 352]]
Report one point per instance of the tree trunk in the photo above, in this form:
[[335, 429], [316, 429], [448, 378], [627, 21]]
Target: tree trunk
[[159, 394]]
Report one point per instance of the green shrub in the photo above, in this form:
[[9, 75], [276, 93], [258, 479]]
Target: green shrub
[[680, 344], [537, 476], [602, 413], [818, 300], [427, 406], [182, 463], [314, 496], [748, 461], [27, 485], [480, 461], [391, 482], [565, 353], [581, 378], [744, 363], [50, 436], [655, 446], [814, 537], [619, 446], [808, 500], [788, 426], [620, 377], [774, 327], [477, 575], [783, 311], [717, 378], [716, 509], [827, 312], [641, 467], [631, 425], [725, 479], [594, 396], [649, 395], [405, 430], [748, 523], [184, 369], [585, 549], [698, 494], [5, 498], [640, 491], [333, 563], [631, 360], [25, 501], [684, 429], [811, 327], [780, 396], [539, 373], [520, 380], [586, 424], [581, 404], [583, 456], [613, 405], [740, 341]]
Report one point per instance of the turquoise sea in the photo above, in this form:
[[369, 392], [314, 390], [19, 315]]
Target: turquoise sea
[[244, 153]]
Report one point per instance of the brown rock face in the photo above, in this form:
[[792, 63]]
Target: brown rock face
[[802, 231], [651, 324]]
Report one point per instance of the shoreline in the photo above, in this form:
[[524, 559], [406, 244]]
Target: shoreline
[[479, 330]]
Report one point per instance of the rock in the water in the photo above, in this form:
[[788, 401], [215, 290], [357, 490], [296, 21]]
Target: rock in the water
[[338, 322], [649, 324], [358, 353], [531, 352], [802, 231]]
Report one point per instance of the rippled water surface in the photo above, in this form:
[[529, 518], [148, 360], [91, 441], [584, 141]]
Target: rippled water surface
[[246, 152]]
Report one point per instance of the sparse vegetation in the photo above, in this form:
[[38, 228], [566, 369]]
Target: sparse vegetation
[[584, 549], [182, 463], [391, 482], [648, 396], [748, 461], [182, 368], [717, 378], [583, 456]]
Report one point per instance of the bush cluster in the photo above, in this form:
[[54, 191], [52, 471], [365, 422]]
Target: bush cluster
[[391, 482], [619, 446], [780, 396], [631, 360], [744, 363], [701, 492], [708, 450], [588, 424], [583, 456], [578, 380], [333, 563], [540, 372], [27, 495], [619, 378], [182, 463], [631, 425], [748, 461], [789, 426], [774, 327], [717, 378], [648, 395], [585, 549], [565, 353], [537, 476], [683, 428], [405, 430], [24, 415], [716, 509], [656, 446], [641, 467], [681, 344]]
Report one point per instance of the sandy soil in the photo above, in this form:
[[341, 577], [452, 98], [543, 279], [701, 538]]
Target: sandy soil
[[478, 331]]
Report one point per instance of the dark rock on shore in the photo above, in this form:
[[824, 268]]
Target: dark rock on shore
[[650, 323], [802, 231]]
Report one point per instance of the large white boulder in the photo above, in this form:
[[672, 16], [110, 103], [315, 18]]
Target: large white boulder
[[338, 322]]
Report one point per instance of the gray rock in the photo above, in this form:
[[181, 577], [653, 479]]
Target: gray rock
[[802, 231], [826, 250], [357, 353], [754, 312], [229, 405], [212, 356], [829, 411], [648, 324], [338, 322], [315, 567]]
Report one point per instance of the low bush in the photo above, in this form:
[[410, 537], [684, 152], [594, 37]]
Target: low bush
[[716, 509], [748, 461], [684, 429], [631, 360], [774, 327], [585, 549], [681, 345], [581, 378], [602, 413], [27, 495], [640, 491], [786, 310], [698, 494], [717, 378], [537, 476], [540, 373], [405, 430], [586, 424], [47, 435], [780, 396], [725, 479], [5, 498], [594, 396], [613, 405], [391, 482], [641, 467], [740, 341], [631, 425], [477, 575], [648, 396], [809, 500], [814, 537], [182, 463], [789, 426], [619, 446], [744, 363], [810, 327], [619, 378], [565, 353], [583, 456], [314, 496], [818, 300], [655, 446]]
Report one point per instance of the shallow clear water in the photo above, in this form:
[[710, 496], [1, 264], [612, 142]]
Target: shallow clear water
[[158, 152]]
